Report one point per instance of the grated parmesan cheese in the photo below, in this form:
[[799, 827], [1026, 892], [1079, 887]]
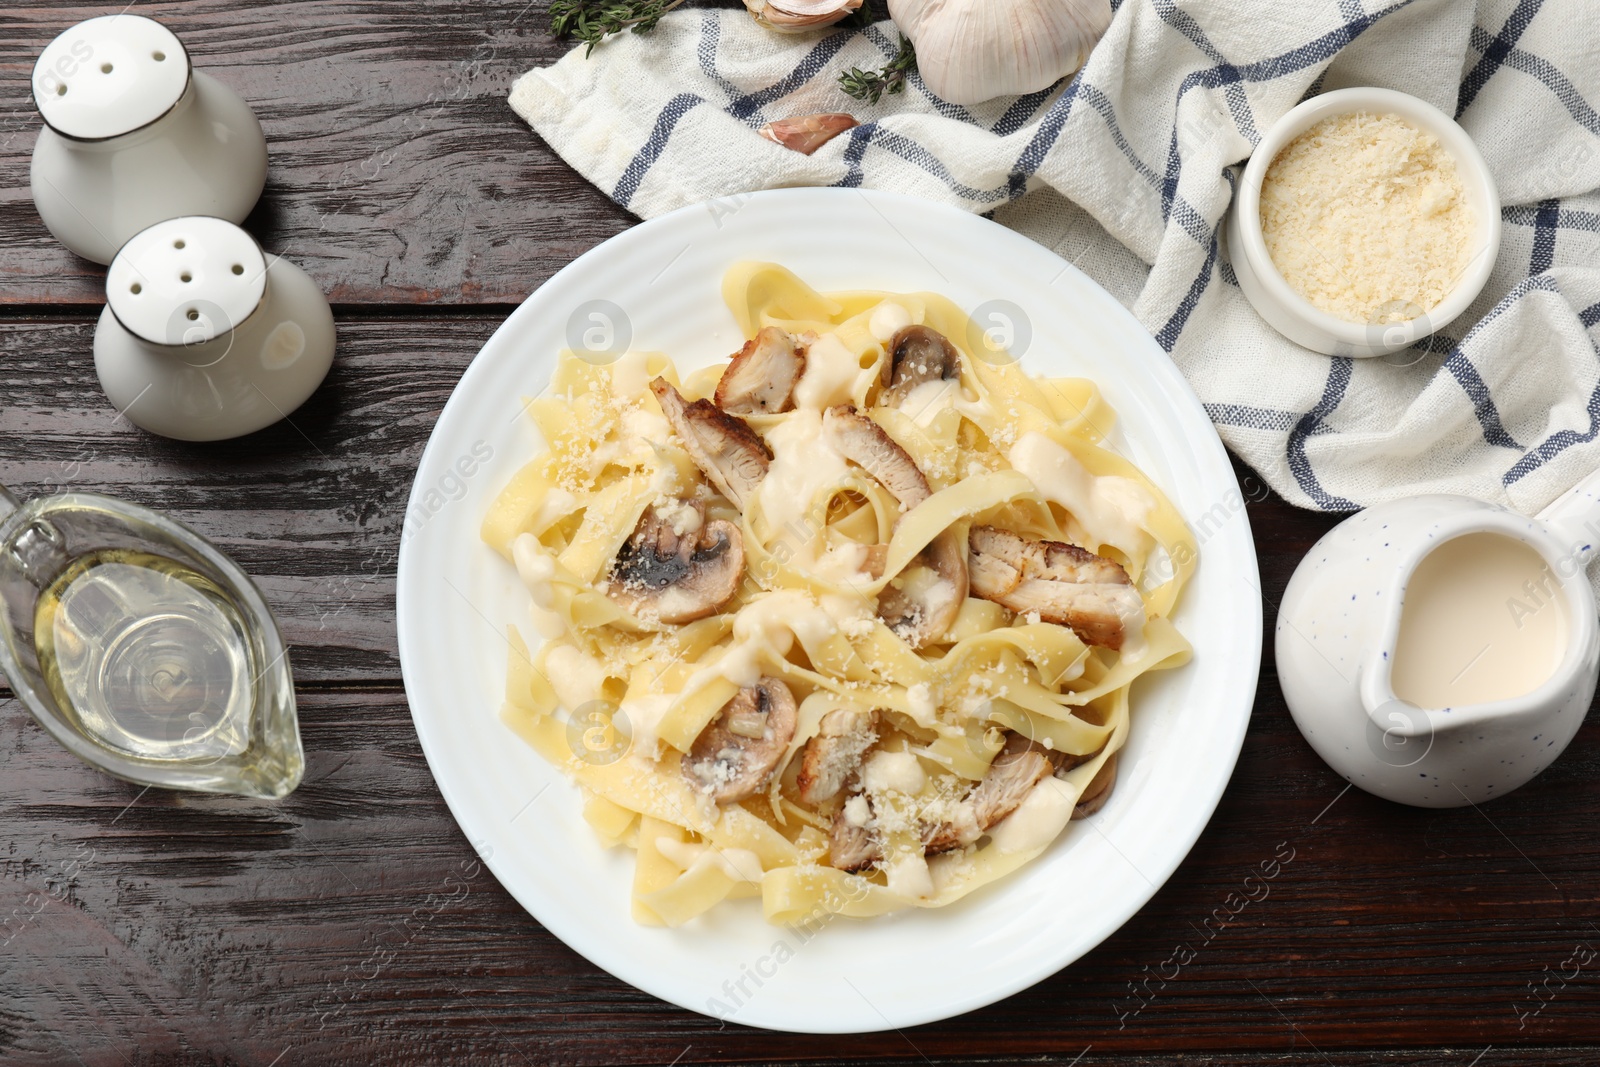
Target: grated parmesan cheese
[[1365, 216]]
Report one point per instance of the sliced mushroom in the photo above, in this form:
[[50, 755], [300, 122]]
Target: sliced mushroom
[[1098, 791], [676, 567], [831, 757], [917, 355], [1065, 584], [1020, 765], [734, 757], [762, 376], [731, 455]]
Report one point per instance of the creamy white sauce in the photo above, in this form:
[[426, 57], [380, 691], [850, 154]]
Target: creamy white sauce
[[683, 518], [897, 772], [888, 319], [909, 877], [557, 502], [1111, 509], [830, 377], [576, 678], [739, 864], [537, 569], [1483, 620], [857, 811], [804, 463], [764, 631], [842, 564], [853, 615], [1037, 821], [629, 376], [644, 714], [923, 707]]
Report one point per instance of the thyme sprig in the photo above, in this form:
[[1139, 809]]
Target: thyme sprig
[[870, 85], [593, 21]]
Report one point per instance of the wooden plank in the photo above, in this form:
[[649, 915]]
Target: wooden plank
[[353, 923], [398, 172], [312, 508]]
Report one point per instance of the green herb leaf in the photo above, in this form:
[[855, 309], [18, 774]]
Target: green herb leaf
[[592, 21], [871, 85]]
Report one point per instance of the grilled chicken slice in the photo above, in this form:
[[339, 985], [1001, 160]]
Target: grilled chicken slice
[[731, 455], [831, 757], [852, 845], [676, 567], [762, 376], [1017, 768], [923, 600], [1065, 584], [917, 355], [736, 754], [864, 443]]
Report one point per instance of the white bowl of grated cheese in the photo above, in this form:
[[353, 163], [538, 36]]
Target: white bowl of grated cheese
[[1365, 220]]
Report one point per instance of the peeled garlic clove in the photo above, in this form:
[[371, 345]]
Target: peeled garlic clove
[[969, 51], [807, 133], [794, 16]]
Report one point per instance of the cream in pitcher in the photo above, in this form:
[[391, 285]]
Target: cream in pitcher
[[1483, 620], [1440, 650]]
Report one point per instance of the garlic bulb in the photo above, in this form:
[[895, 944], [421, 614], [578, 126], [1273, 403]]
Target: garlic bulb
[[794, 16], [969, 51], [807, 133]]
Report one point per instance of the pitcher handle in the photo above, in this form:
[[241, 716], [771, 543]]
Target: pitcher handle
[[1574, 518]]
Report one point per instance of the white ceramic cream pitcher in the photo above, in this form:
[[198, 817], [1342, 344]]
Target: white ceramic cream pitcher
[[1440, 651]]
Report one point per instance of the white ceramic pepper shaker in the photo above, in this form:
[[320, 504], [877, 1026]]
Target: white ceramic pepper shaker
[[133, 135], [204, 337]]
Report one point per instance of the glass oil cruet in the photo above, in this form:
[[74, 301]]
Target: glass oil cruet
[[143, 649]]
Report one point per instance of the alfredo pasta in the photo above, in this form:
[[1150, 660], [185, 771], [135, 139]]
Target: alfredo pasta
[[848, 622]]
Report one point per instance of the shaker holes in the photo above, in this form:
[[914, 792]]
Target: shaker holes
[[135, 288], [105, 68], [158, 56], [186, 277], [238, 268], [192, 314], [178, 243]]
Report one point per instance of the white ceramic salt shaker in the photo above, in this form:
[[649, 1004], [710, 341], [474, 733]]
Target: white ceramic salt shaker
[[204, 337], [133, 135]]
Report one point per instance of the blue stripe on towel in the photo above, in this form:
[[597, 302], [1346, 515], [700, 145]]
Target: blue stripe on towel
[[1252, 418], [814, 63], [1471, 382], [1555, 444], [1546, 222], [1495, 51], [1167, 338], [641, 163], [1311, 423], [1546, 72]]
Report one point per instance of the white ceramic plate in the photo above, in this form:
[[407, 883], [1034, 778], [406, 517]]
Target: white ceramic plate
[[456, 597]]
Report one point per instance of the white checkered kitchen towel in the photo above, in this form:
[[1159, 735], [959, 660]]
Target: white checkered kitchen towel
[[1128, 169]]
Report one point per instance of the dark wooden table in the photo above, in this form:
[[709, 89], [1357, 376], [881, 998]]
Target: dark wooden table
[[149, 927]]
